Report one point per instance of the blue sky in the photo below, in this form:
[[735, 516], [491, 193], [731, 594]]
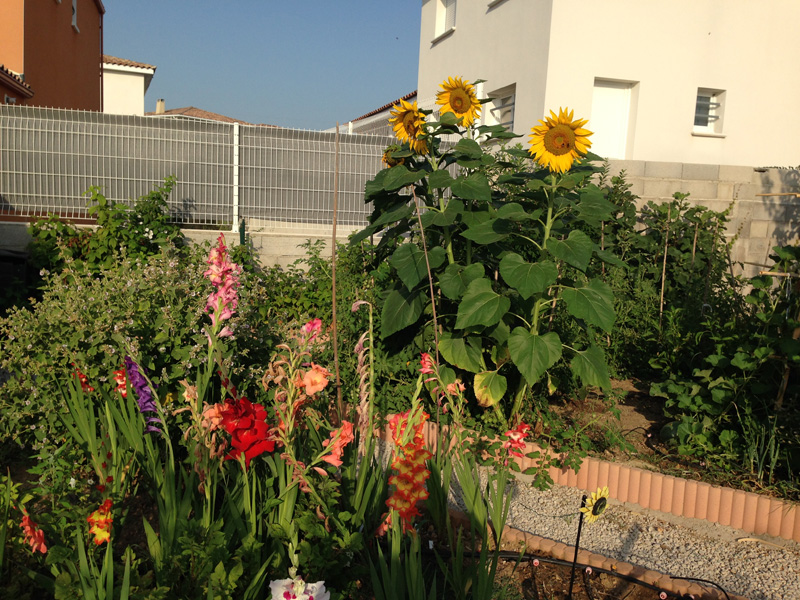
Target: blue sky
[[294, 64]]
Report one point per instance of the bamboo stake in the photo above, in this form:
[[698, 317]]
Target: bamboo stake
[[710, 262], [694, 242], [430, 276], [339, 402], [664, 268]]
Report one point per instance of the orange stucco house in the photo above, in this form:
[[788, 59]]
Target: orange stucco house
[[51, 53]]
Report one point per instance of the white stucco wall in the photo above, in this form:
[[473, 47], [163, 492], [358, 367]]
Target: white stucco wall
[[124, 89], [554, 50]]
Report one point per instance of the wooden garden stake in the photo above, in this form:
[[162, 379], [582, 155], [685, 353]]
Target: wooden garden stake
[[577, 545], [339, 401], [694, 242], [430, 277], [664, 268]]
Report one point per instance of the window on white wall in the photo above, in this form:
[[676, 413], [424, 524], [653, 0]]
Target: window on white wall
[[75, 15], [708, 111], [445, 16], [500, 110], [611, 119]]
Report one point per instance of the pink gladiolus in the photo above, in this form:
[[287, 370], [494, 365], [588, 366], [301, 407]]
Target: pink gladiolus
[[311, 329], [455, 387], [224, 276], [516, 439], [341, 437], [33, 535], [427, 367]]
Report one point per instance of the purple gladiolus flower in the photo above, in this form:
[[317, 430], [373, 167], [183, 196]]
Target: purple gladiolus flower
[[143, 393]]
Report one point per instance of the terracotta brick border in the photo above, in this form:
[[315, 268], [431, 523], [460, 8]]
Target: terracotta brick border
[[747, 511]]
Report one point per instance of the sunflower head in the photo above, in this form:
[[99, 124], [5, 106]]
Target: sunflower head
[[388, 159], [458, 97], [595, 505], [559, 141], [408, 124]]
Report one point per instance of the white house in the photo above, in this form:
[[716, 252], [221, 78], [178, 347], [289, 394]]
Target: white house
[[125, 83], [689, 81]]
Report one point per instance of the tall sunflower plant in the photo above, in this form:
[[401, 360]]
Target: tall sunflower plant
[[497, 251]]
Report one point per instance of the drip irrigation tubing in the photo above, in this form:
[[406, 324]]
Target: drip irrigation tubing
[[529, 557]]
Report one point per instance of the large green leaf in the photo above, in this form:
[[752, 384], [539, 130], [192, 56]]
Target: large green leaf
[[469, 148], [440, 179], [401, 309], [409, 261], [576, 250], [481, 305], [489, 388], [398, 211], [472, 187], [527, 278], [454, 208], [455, 279], [399, 176], [458, 352], [374, 187], [590, 367], [534, 354], [489, 232], [593, 206], [593, 303], [515, 212]]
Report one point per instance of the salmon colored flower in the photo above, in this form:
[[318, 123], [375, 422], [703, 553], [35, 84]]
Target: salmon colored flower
[[315, 379], [100, 521], [340, 438], [212, 417], [455, 387], [33, 535]]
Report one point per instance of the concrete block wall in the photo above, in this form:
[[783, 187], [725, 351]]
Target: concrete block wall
[[766, 210]]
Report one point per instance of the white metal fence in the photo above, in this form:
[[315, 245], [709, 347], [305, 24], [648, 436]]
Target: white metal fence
[[225, 172]]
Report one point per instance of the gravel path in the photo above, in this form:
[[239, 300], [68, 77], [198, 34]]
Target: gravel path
[[763, 569]]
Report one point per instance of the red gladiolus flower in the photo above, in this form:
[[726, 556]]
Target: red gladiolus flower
[[84, 380], [100, 521], [247, 426], [121, 380], [516, 439], [33, 535]]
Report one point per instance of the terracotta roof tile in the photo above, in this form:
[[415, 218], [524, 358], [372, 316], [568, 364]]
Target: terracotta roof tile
[[407, 97], [124, 62], [199, 113], [15, 80]]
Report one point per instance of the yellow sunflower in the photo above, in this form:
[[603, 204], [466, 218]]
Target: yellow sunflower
[[407, 122], [459, 98], [559, 140], [596, 505]]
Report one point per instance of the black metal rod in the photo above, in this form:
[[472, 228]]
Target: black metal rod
[[577, 545]]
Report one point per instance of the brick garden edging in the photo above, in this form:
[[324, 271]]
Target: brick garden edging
[[747, 511]]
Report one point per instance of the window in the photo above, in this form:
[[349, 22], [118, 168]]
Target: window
[[75, 15], [500, 110], [445, 17], [708, 111]]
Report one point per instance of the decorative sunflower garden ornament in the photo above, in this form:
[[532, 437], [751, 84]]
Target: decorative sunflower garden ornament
[[459, 97], [559, 141], [591, 508]]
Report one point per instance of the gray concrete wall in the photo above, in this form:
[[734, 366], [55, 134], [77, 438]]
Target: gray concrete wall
[[766, 209]]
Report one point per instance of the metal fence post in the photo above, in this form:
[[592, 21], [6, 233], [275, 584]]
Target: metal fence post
[[235, 228]]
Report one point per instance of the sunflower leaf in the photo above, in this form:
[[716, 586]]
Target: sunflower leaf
[[576, 250], [527, 278], [489, 388], [440, 179], [593, 206], [468, 148], [534, 354], [472, 187], [488, 232], [590, 367], [409, 261], [481, 305], [401, 309], [594, 303], [458, 352], [399, 176], [455, 279]]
